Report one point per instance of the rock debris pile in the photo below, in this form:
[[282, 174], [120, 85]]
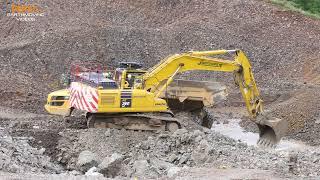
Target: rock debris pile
[[16, 155], [164, 154]]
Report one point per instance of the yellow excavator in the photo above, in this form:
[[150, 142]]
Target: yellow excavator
[[137, 99]]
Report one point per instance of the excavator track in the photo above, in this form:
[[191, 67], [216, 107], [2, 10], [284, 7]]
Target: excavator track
[[138, 121]]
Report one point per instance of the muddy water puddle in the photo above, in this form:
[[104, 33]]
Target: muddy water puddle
[[236, 132]]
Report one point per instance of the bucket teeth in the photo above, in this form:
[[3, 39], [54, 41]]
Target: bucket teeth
[[266, 143], [271, 130]]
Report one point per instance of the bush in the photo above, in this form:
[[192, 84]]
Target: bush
[[306, 7], [312, 6]]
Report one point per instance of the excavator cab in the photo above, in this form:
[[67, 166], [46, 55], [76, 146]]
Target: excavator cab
[[129, 75]]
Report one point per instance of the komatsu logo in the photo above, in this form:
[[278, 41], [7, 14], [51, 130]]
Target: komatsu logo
[[212, 64]]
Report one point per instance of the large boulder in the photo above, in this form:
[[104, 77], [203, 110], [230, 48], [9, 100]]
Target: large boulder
[[160, 165], [110, 166], [87, 160], [144, 170], [173, 171], [93, 172]]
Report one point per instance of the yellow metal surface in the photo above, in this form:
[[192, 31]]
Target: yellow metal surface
[[205, 60], [58, 107], [156, 79], [207, 92], [140, 101]]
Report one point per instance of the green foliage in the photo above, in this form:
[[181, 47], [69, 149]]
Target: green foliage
[[312, 6], [306, 7]]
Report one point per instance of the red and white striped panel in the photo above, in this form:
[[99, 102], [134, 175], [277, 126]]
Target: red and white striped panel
[[83, 97]]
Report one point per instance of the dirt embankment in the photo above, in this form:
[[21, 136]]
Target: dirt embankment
[[280, 44]]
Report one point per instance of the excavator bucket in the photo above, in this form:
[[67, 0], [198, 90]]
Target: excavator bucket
[[187, 95], [271, 130]]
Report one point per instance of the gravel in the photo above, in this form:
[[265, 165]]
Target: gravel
[[17, 156], [86, 160]]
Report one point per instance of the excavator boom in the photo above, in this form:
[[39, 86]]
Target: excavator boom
[[160, 76]]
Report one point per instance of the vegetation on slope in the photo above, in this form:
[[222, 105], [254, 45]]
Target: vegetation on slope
[[307, 7]]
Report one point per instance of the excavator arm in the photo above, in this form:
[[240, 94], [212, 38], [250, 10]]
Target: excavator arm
[[158, 78]]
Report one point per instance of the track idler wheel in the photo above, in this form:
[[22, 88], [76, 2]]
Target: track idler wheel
[[172, 126]]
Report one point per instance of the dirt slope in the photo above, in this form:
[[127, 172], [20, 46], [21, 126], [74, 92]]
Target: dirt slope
[[283, 46]]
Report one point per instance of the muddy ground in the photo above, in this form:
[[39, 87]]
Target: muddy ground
[[283, 47]]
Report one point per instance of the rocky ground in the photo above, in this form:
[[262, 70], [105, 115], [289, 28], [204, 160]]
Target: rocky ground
[[28, 146], [283, 47]]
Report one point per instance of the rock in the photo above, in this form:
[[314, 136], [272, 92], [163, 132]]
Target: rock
[[180, 132], [183, 135], [107, 133], [111, 166], [199, 158], [75, 173], [173, 171], [207, 131], [147, 144], [93, 172], [143, 169], [203, 145], [86, 160], [4, 138], [177, 142], [7, 151], [163, 135], [172, 158], [197, 133], [17, 156], [198, 139], [140, 167], [160, 165], [144, 146], [316, 160], [184, 158], [14, 168], [4, 160], [35, 127], [41, 151]]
